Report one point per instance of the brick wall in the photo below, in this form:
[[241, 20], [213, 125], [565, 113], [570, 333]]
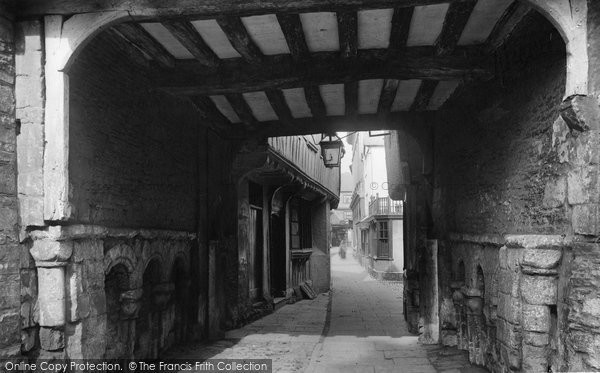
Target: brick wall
[[133, 150], [9, 245]]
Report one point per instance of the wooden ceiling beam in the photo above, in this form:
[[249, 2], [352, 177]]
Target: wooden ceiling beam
[[280, 72], [294, 35], [347, 31], [187, 35], [241, 108], [280, 106], [513, 15], [456, 19], [209, 110], [153, 9], [351, 98], [136, 35], [240, 39], [400, 28], [387, 96], [315, 101], [424, 95]]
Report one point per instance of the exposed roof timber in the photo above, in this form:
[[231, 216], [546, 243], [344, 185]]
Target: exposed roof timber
[[351, 98], [187, 35], [400, 27], [211, 115], [507, 23], [327, 68], [239, 104], [240, 39], [136, 35], [388, 94], [424, 95], [315, 101], [153, 9], [280, 106], [347, 31], [363, 122], [294, 35], [456, 19]]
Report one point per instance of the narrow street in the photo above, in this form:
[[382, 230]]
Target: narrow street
[[364, 332]]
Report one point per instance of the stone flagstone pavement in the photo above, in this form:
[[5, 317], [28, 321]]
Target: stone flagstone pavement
[[363, 332]]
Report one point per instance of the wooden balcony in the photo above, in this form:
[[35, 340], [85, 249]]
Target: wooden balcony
[[306, 158], [385, 206]]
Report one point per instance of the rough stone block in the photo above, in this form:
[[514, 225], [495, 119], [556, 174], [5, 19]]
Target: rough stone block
[[512, 357], [78, 302], [585, 219], [555, 193], [509, 308], [29, 339], [7, 99], [52, 339], [542, 258], [508, 282], [10, 296], [536, 339], [509, 334], [9, 328], [539, 289], [583, 185], [26, 259], [9, 259], [51, 296], [534, 359], [580, 112], [536, 318]]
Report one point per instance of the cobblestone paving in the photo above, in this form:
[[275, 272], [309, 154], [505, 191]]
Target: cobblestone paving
[[365, 332]]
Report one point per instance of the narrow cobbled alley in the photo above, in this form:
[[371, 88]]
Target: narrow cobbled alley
[[359, 327]]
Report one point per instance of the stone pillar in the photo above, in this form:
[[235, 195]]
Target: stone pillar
[[461, 320], [51, 259], [475, 325], [539, 286]]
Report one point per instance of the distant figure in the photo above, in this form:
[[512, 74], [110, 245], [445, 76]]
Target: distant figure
[[343, 249]]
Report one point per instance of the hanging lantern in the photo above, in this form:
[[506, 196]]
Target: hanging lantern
[[332, 151]]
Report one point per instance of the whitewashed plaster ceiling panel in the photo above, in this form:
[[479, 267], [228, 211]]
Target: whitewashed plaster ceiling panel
[[442, 93], [215, 38], [320, 31], [405, 95], [266, 33], [333, 96], [374, 27], [368, 95], [426, 25], [225, 108], [481, 23], [164, 37], [260, 106], [296, 101]]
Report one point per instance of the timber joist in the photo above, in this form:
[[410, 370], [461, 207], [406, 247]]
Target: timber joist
[[255, 64]]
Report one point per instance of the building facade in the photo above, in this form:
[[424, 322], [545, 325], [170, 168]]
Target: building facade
[[377, 220]]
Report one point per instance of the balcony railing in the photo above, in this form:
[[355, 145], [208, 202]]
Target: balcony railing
[[307, 158], [385, 206]]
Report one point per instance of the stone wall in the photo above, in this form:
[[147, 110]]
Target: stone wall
[[133, 158], [10, 250], [511, 181], [112, 293]]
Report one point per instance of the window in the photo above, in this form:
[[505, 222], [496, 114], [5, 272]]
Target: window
[[383, 247], [300, 225], [348, 215]]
